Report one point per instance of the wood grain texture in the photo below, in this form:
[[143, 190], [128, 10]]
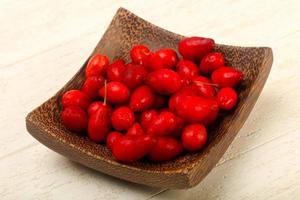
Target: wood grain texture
[[125, 30], [44, 42]]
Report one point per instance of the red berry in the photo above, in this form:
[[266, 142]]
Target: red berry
[[194, 109], [134, 75], [163, 124], [75, 98], [98, 105], [74, 118], [116, 92], [205, 87], [194, 137], [147, 117], [122, 118], [164, 81], [165, 149], [191, 90], [211, 62], [135, 130], [139, 54], [96, 65], [227, 77], [167, 58], [187, 70], [92, 85], [227, 98], [98, 126], [115, 70], [132, 148], [211, 118], [112, 138], [194, 48], [142, 98]]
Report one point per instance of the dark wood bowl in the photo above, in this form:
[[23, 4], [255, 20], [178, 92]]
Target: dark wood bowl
[[125, 30]]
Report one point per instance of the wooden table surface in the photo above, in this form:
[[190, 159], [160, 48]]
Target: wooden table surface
[[43, 43]]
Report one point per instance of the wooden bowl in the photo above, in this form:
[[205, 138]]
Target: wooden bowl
[[125, 30]]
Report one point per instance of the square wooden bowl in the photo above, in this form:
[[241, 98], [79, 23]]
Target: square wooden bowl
[[125, 30]]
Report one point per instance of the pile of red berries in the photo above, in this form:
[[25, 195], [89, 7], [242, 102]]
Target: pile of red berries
[[157, 105]]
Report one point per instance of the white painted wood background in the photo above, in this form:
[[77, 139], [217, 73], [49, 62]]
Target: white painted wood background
[[43, 43]]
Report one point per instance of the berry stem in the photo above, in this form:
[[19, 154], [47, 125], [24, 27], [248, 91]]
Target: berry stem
[[204, 83], [105, 92]]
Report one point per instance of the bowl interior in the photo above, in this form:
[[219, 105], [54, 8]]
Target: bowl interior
[[126, 30]]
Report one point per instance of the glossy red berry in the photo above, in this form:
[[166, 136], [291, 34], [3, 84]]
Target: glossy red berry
[[147, 117], [187, 70], [112, 138], [74, 118], [211, 62], [122, 118], [98, 105], [205, 87], [75, 98], [191, 90], [214, 111], [134, 76], [165, 149], [194, 137], [194, 48], [116, 92], [131, 148], [92, 85], [96, 65], [164, 81], [135, 130], [116, 70], [139, 54], [227, 77], [227, 98], [167, 58], [163, 124], [142, 98], [193, 109], [98, 126]]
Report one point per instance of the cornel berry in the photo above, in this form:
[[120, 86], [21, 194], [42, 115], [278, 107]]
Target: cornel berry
[[157, 106]]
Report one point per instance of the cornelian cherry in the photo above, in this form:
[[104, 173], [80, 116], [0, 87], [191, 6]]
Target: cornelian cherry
[[116, 92], [98, 126], [74, 118], [187, 70], [227, 98], [96, 65], [112, 137], [164, 58], [75, 98], [139, 54], [194, 48], [191, 90], [164, 81], [227, 77], [163, 124], [165, 148], [134, 75], [130, 148], [214, 111], [147, 117], [205, 87], [142, 98], [136, 130], [194, 137], [98, 105], [92, 85], [122, 118], [211, 62], [115, 70]]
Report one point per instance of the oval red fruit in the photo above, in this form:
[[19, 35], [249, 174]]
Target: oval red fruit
[[139, 54], [134, 75], [227, 77], [194, 137], [211, 62], [96, 65], [205, 87], [227, 98], [92, 85], [135, 130], [187, 70], [191, 90], [112, 138], [75, 98], [98, 126], [167, 58], [163, 124], [115, 70], [194, 48], [122, 118], [142, 98], [74, 118], [98, 105], [117, 92], [147, 117]]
